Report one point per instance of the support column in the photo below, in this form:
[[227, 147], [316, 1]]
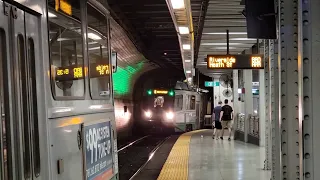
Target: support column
[[274, 117], [268, 143], [309, 87], [291, 142], [262, 114], [247, 75], [235, 92]]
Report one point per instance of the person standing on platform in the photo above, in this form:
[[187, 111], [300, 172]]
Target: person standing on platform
[[226, 117], [216, 120]]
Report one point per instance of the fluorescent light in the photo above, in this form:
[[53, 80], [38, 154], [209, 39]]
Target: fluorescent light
[[63, 39], [93, 42], [51, 15], [188, 60], [177, 4], [95, 48], [242, 39], [189, 72], [183, 30], [186, 46], [220, 44], [93, 36], [223, 48], [222, 33], [95, 107]]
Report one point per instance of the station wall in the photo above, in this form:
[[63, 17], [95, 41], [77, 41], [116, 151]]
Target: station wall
[[131, 65]]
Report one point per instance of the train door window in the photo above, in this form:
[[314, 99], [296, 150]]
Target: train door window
[[178, 102], [34, 108], [4, 122], [98, 53], [158, 101], [66, 49], [24, 108]]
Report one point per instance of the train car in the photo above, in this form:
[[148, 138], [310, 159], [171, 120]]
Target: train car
[[158, 110], [188, 108], [56, 91]]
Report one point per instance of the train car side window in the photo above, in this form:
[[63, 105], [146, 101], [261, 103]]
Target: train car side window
[[98, 54], [66, 49], [35, 134], [178, 102], [191, 102]]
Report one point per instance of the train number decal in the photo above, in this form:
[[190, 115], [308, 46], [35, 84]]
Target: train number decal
[[98, 154]]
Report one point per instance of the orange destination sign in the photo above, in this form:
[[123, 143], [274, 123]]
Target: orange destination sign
[[244, 61]]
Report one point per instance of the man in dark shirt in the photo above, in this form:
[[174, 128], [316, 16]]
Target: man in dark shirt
[[216, 120], [226, 117]]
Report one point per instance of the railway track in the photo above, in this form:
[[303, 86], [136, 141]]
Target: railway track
[[136, 154]]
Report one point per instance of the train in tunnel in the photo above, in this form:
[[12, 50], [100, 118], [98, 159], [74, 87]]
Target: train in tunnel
[[157, 110], [170, 110]]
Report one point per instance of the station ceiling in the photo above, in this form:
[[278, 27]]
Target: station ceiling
[[223, 15], [149, 25]]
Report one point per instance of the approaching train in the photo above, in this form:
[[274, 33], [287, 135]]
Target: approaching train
[[169, 110], [158, 109], [56, 91]]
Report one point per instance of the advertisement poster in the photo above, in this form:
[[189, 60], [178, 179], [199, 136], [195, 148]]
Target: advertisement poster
[[98, 151]]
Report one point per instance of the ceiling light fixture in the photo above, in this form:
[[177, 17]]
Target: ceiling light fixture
[[51, 15], [186, 46], [187, 60], [224, 33], [63, 39], [183, 30], [242, 39], [188, 72], [93, 36], [177, 4], [220, 44], [224, 47]]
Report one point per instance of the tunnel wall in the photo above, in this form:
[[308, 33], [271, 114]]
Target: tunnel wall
[[131, 65]]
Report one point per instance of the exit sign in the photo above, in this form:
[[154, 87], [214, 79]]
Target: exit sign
[[211, 84]]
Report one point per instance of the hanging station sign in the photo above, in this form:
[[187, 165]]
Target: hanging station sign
[[211, 83], [243, 61]]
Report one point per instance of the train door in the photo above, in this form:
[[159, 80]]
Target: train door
[[19, 133]]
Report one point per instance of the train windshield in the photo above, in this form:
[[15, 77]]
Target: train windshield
[[158, 101]]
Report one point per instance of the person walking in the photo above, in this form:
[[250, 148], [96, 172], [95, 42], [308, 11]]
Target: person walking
[[226, 117], [216, 120]]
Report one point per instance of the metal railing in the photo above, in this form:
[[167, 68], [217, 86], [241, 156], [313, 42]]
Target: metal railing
[[240, 122], [254, 125]]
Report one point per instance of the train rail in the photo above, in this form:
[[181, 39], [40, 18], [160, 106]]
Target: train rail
[[136, 154]]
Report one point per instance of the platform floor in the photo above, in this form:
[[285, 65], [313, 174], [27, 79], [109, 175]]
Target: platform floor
[[211, 159]]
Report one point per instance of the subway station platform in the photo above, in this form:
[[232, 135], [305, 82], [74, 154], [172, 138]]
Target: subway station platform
[[196, 156]]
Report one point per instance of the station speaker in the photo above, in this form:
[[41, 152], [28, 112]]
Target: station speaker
[[261, 19]]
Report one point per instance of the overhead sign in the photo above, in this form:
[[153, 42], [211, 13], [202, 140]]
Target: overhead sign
[[98, 151], [70, 73], [243, 61], [211, 84]]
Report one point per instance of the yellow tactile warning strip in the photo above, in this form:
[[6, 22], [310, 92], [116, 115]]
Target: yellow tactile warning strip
[[176, 165]]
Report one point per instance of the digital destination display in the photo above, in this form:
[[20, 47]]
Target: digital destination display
[[70, 73], [160, 91], [244, 61]]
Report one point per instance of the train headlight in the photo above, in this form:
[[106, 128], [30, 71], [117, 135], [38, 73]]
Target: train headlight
[[148, 114], [169, 115]]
